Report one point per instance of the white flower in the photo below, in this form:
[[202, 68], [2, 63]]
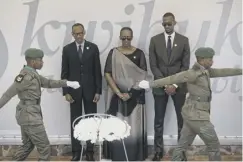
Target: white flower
[[87, 48], [98, 129]]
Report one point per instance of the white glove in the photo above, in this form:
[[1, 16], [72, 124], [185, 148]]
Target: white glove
[[73, 84], [144, 84]]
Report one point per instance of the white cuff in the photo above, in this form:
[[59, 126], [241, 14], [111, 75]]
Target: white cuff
[[175, 85]]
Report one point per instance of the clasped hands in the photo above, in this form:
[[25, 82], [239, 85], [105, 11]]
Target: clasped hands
[[170, 89], [123, 96]]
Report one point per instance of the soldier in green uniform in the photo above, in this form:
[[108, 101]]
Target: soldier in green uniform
[[196, 110], [27, 85]]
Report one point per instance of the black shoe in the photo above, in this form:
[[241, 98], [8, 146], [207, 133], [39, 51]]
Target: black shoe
[[76, 156], [158, 156], [90, 156], [184, 156]]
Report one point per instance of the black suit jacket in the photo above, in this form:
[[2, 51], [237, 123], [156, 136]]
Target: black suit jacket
[[86, 71], [162, 66]]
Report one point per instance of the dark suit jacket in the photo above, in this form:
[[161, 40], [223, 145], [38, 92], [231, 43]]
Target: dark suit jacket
[[162, 66], [86, 71]]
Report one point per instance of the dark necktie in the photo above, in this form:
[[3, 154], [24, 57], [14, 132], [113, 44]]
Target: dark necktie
[[169, 47], [80, 52]]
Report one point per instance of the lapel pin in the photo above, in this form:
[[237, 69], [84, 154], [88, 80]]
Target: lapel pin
[[87, 48], [175, 45]]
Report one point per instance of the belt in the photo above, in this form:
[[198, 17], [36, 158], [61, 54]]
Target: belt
[[200, 98], [30, 102]]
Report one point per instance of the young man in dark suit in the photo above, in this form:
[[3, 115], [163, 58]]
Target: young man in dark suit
[[169, 53], [81, 62]]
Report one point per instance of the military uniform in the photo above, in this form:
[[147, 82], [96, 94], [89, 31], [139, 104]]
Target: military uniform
[[196, 110], [27, 85]]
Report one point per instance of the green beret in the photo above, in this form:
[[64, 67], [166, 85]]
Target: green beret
[[205, 52], [34, 53]]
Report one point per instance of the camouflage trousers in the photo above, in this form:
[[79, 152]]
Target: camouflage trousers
[[205, 130], [33, 135]]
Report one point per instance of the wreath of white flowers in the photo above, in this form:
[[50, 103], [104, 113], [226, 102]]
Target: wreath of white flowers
[[101, 128]]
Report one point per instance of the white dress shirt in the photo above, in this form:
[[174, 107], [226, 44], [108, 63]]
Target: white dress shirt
[[82, 45], [172, 38], [172, 41]]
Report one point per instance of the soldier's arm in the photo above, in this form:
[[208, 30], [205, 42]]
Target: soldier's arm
[[182, 77], [49, 83], [22, 82], [11, 92], [225, 72]]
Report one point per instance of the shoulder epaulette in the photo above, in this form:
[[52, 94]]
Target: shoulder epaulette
[[19, 78]]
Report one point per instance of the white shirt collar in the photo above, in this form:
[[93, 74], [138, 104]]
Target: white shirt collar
[[171, 38], [172, 35], [82, 45]]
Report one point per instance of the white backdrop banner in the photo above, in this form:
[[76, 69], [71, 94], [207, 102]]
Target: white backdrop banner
[[47, 25]]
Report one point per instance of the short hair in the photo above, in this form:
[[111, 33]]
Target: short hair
[[77, 24], [126, 28], [167, 14], [29, 59], [199, 58]]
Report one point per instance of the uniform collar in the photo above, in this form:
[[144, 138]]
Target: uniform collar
[[197, 66], [82, 44], [30, 68], [201, 67]]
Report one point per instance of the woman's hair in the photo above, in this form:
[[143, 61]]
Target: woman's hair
[[126, 28]]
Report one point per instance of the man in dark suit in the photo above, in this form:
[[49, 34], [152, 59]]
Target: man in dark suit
[[169, 53], [81, 62]]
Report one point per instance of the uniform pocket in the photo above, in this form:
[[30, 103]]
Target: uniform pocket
[[202, 111], [188, 110], [204, 115], [33, 109], [34, 114]]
